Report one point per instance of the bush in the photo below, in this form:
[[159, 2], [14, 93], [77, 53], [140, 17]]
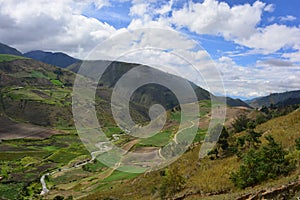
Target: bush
[[222, 143], [241, 123], [172, 182], [297, 141], [261, 164]]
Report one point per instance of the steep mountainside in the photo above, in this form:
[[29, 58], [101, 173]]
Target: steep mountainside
[[116, 69], [5, 49], [276, 98], [58, 59], [198, 174], [35, 92]]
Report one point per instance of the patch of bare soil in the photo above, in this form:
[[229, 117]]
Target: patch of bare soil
[[14, 130]]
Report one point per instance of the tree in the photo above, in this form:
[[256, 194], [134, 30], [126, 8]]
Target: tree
[[245, 142], [240, 123], [297, 141], [222, 145], [252, 138], [261, 164]]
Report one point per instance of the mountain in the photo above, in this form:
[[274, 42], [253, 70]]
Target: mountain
[[198, 173], [288, 102], [35, 92], [146, 94], [5, 49], [58, 59], [275, 98]]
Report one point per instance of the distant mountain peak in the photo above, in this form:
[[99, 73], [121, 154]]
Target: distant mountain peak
[[54, 58], [5, 49], [274, 98]]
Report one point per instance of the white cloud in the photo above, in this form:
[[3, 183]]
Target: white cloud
[[294, 57], [272, 38], [288, 18], [101, 3], [269, 8], [50, 25], [239, 23], [139, 9], [165, 8], [249, 82], [218, 18]]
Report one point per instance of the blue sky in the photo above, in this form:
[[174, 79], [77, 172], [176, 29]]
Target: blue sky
[[255, 44]]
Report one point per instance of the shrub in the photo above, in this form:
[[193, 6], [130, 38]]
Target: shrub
[[261, 164], [297, 141], [172, 182], [241, 123]]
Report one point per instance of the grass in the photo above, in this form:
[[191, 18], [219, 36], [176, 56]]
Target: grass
[[50, 148], [10, 191], [119, 175], [208, 176], [284, 129], [175, 116], [95, 167], [9, 57], [68, 176], [56, 96], [158, 140], [38, 74], [64, 156], [56, 82], [200, 135], [11, 156]]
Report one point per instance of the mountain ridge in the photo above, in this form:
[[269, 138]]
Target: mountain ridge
[[5, 49], [116, 70], [54, 58], [274, 98]]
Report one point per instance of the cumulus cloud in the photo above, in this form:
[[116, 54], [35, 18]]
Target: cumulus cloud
[[218, 18], [139, 9], [50, 25], [268, 40], [269, 8], [238, 23], [249, 82], [287, 18]]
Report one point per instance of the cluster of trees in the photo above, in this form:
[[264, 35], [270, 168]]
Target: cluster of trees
[[278, 110], [262, 163], [222, 144], [242, 122]]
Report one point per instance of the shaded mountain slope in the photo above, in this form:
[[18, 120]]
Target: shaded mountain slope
[[5, 49], [273, 99], [116, 69], [58, 59]]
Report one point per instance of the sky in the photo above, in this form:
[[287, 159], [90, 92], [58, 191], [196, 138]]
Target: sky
[[255, 45]]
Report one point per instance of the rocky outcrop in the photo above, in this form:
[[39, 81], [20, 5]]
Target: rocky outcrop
[[283, 192]]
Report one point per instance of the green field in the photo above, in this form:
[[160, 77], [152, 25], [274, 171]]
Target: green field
[[9, 57], [158, 140], [120, 175]]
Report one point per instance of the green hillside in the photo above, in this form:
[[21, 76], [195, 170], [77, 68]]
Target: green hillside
[[9, 57], [38, 137], [285, 98], [210, 179]]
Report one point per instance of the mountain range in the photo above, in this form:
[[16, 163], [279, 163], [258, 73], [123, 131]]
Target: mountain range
[[117, 69], [42, 156], [276, 99], [112, 74]]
